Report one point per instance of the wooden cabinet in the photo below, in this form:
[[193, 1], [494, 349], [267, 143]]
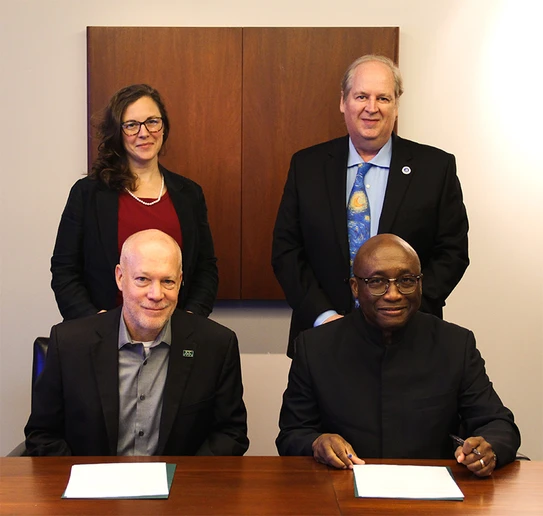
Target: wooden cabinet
[[241, 101]]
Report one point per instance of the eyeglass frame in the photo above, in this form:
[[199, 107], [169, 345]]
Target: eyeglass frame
[[143, 123], [418, 277]]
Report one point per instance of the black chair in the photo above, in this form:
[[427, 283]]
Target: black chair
[[38, 357], [38, 361]]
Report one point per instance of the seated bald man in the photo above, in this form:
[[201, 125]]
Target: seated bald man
[[388, 381], [142, 379]]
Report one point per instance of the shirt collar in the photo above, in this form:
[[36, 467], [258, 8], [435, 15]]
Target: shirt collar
[[165, 334], [374, 334], [382, 159]]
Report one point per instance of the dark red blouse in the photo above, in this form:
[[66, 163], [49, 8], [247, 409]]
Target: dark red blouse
[[134, 217]]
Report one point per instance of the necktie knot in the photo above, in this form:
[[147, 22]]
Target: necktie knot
[[363, 169]]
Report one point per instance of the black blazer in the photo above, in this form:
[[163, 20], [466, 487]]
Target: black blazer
[[392, 401], [310, 252], [75, 406], [86, 248]]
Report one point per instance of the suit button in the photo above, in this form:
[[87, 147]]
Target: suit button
[[141, 433], [142, 397]]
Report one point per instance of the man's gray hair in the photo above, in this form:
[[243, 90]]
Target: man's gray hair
[[347, 81]]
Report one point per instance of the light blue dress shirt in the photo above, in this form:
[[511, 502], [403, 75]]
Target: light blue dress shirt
[[375, 182]]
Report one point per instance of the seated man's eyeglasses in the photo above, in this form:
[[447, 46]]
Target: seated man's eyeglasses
[[378, 286], [132, 127]]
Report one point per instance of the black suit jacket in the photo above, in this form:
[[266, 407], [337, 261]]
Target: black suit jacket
[[75, 405], [392, 401], [86, 249], [310, 253]]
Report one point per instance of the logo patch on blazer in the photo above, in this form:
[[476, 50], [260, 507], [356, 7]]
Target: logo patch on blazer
[[188, 353]]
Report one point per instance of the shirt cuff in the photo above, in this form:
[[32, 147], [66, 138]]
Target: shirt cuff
[[322, 317]]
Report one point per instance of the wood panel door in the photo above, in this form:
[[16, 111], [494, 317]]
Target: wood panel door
[[241, 102], [198, 73], [291, 94]]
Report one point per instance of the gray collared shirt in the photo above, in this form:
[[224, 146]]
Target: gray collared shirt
[[142, 376]]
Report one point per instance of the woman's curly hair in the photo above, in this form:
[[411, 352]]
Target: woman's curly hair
[[111, 165]]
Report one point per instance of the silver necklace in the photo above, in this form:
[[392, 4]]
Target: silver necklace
[[152, 202]]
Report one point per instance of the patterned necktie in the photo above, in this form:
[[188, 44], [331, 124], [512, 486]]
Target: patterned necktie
[[358, 213]]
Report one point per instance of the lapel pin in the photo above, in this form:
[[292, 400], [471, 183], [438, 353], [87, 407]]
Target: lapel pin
[[188, 353], [406, 170]]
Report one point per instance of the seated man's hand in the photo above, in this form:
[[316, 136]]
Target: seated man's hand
[[333, 450], [482, 465]]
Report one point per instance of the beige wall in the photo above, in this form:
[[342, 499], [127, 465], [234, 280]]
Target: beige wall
[[471, 88]]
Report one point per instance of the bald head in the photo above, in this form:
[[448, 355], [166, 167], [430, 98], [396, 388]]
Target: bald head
[[149, 277], [381, 243], [144, 241], [389, 262]]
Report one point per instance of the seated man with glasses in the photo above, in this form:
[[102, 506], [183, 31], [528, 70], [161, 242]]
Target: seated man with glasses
[[388, 381]]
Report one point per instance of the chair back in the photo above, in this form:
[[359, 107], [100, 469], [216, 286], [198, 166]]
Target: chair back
[[38, 359], [38, 362]]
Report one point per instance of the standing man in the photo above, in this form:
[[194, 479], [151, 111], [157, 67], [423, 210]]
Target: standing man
[[144, 378], [388, 381], [341, 192]]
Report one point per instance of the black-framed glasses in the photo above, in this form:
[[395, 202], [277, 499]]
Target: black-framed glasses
[[378, 286], [133, 127]]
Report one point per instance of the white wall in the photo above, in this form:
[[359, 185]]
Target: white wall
[[472, 81]]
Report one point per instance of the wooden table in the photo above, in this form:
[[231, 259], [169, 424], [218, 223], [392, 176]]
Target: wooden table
[[263, 486]]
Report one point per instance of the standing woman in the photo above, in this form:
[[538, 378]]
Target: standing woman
[[127, 191]]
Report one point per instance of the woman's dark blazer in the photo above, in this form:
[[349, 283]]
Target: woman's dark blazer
[[86, 248]]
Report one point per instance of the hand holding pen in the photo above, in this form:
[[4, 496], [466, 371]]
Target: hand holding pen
[[460, 442], [476, 454]]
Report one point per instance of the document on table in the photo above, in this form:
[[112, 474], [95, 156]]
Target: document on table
[[120, 480], [411, 482]]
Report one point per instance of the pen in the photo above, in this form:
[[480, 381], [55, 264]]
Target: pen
[[460, 442]]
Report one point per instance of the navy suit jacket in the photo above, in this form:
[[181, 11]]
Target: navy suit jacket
[[75, 404], [86, 249], [310, 252]]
